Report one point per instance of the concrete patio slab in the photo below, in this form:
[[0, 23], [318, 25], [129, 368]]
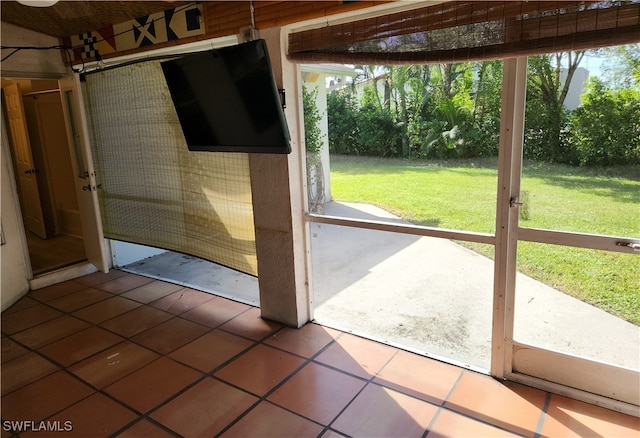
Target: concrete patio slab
[[429, 295]]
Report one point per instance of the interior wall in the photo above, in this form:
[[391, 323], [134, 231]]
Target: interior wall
[[39, 63]]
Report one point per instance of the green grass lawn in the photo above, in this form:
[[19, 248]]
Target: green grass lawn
[[461, 195]]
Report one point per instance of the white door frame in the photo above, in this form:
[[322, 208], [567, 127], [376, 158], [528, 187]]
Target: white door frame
[[99, 255], [96, 248], [595, 382]]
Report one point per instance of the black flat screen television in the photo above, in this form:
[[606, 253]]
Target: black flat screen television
[[227, 100]]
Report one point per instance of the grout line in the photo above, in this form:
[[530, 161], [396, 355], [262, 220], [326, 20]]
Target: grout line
[[140, 419], [65, 369], [453, 387], [441, 405], [543, 415], [307, 360]]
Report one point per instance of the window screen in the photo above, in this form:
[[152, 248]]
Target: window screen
[[152, 190]]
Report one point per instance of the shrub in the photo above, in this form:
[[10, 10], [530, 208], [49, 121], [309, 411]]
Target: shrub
[[605, 130], [342, 115]]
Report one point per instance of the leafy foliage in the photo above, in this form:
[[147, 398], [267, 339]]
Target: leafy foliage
[[605, 130], [313, 146], [453, 111], [312, 117], [342, 116]]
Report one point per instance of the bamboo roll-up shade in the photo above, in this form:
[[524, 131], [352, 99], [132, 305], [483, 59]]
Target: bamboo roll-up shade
[[471, 30], [153, 190]]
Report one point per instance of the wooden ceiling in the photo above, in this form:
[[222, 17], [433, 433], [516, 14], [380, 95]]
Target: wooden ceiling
[[67, 18]]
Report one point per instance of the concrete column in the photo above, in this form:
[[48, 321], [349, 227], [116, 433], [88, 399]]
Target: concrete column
[[278, 196]]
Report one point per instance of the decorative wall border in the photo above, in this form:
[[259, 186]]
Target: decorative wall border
[[170, 25]]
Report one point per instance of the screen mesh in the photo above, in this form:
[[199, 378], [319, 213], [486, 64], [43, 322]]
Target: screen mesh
[[152, 190]]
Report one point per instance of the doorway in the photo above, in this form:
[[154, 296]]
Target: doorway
[[374, 276], [41, 159]]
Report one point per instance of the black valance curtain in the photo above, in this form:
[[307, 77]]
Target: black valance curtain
[[471, 30]]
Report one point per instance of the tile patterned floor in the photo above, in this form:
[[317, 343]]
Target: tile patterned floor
[[123, 355]]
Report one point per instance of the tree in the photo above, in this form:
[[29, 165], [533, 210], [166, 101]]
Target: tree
[[313, 146], [605, 130], [342, 123], [621, 66], [449, 122], [487, 103], [546, 93]]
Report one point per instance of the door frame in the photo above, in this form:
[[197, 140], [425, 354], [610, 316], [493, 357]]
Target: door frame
[[23, 161], [602, 384], [511, 360], [96, 248], [92, 229]]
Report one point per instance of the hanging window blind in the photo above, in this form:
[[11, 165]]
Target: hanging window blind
[[458, 31], [152, 190]]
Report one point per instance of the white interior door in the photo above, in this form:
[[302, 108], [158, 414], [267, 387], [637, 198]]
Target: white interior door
[[84, 174], [25, 170]]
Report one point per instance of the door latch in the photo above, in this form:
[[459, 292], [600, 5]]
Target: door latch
[[90, 188], [514, 201], [633, 246]]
